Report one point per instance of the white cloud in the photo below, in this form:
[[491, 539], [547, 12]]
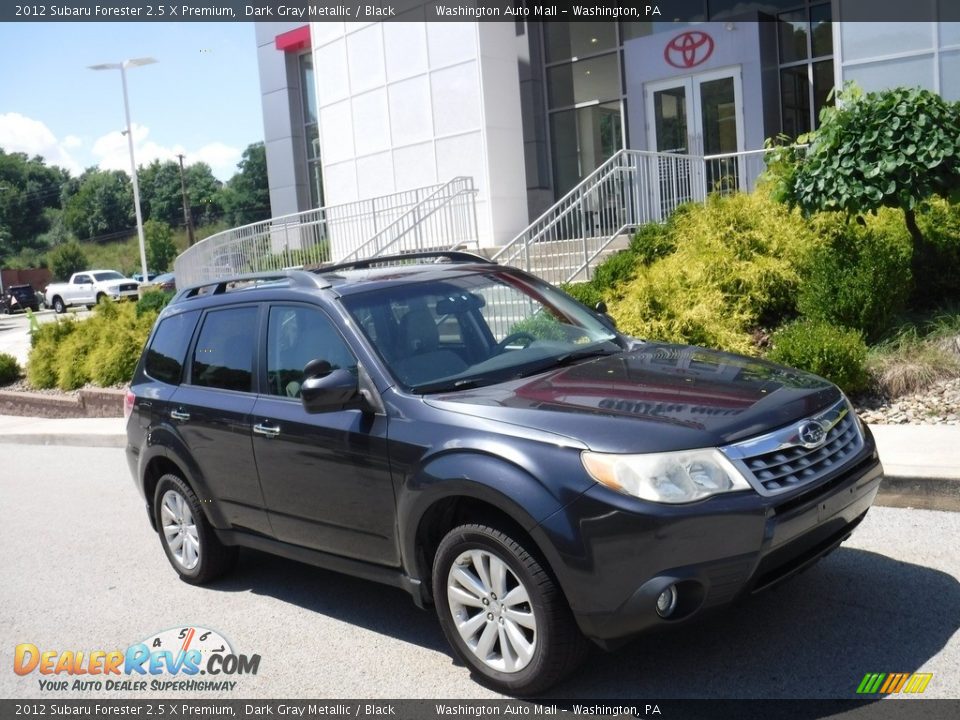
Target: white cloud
[[18, 133], [112, 153]]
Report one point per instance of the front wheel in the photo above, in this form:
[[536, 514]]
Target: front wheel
[[502, 612], [189, 541], [59, 306]]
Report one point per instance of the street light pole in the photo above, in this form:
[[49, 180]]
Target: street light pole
[[122, 67]]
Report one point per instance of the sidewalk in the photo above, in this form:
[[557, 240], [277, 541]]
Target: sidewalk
[[80, 432], [921, 462]]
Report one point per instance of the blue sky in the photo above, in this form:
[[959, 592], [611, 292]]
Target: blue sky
[[202, 98]]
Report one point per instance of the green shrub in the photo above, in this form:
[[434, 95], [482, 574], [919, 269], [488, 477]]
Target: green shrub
[[938, 279], [838, 354], [45, 344], [542, 325], [585, 292], [733, 271], [66, 259], [153, 301], [9, 369], [614, 270], [860, 276], [103, 349], [654, 240]]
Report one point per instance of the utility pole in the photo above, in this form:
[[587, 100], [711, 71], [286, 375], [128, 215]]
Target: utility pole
[[187, 216]]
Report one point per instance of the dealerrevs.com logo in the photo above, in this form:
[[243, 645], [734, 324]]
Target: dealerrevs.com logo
[[179, 659]]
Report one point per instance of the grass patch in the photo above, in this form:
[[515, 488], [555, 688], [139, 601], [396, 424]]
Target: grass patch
[[919, 353]]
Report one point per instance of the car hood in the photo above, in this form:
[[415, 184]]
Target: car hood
[[657, 397]]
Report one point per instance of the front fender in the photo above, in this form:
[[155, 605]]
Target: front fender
[[478, 476]]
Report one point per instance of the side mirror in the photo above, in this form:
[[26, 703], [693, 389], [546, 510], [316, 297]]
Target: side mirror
[[601, 308], [327, 390]]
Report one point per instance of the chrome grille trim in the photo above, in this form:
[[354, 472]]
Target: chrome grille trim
[[780, 461]]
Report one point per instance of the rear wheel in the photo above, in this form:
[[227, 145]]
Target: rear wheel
[[502, 612], [189, 541]]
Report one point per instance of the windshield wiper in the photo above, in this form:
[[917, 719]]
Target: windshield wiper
[[603, 349]]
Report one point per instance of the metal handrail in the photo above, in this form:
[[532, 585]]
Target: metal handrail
[[414, 212]]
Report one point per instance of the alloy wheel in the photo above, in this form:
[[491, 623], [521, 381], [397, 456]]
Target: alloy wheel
[[180, 530]]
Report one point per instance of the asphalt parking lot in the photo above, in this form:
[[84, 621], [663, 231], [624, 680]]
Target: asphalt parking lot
[[83, 571]]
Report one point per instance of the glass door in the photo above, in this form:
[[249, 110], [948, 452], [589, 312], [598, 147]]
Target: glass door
[[699, 115]]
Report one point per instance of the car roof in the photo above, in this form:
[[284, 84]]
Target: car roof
[[350, 282]]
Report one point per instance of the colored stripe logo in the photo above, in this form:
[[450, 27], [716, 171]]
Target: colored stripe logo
[[890, 683]]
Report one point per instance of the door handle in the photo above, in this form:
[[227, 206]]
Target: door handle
[[266, 430], [179, 415]]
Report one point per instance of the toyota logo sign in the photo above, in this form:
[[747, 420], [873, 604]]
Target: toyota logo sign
[[688, 49]]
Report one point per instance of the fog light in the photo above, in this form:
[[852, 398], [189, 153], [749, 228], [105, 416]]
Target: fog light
[[667, 602]]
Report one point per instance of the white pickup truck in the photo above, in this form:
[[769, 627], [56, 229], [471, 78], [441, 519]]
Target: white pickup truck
[[88, 287]]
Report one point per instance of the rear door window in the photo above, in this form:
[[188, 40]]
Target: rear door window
[[166, 353], [223, 356]]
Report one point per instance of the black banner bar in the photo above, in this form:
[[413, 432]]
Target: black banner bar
[[872, 709], [454, 10]]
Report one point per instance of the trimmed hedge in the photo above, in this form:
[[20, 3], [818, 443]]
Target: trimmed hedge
[[838, 354], [102, 350], [860, 276], [9, 369], [733, 270]]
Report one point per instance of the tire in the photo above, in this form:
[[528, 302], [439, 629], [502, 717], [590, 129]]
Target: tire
[[532, 642], [100, 296], [200, 556], [58, 306]]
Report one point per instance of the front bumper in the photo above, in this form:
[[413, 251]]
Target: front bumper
[[614, 555]]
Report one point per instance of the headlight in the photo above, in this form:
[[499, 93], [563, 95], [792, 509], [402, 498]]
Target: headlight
[[674, 477]]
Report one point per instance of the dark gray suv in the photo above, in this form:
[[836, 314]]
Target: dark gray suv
[[476, 437]]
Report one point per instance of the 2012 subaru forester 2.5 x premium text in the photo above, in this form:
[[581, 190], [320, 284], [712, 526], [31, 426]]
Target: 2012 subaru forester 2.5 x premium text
[[469, 433]]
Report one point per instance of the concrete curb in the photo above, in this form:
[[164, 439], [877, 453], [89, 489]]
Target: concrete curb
[[65, 439]]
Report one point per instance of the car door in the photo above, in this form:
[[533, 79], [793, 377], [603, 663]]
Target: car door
[[81, 290], [325, 476], [211, 411]]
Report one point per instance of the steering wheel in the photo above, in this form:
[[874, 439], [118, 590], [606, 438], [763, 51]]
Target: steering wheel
[[513, 337]]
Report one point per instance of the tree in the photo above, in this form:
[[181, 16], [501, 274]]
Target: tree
[[893, 148], [160, 197], [160, 248], [102, 204], [204, 193], [27, 189], [246, 197], [66, 259]]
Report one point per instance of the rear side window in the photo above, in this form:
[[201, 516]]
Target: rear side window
[[223, 356], [166, 353]]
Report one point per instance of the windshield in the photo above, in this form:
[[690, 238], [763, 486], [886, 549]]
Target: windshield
[[108, 275], [476, 330]]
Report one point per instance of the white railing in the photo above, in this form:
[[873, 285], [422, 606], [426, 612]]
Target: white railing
[[630, 189], [444, 220], [307, 238]]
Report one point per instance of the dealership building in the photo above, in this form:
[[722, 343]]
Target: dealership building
[[527, 110]]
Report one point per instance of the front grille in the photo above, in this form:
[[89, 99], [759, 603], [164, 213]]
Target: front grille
[[128, 288], [780, 461]]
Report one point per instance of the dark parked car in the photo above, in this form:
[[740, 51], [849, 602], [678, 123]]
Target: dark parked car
[[166, 282], [17, 298], [471, 434]]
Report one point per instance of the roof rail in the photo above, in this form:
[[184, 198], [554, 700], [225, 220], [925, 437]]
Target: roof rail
[[451, 255], [297, 278]]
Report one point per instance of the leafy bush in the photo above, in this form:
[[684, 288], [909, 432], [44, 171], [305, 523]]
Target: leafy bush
[[66, 259], [938, 271], [733, 271], [654, 240], [9, 369], [45, 343], [153, 301], [158, 238], [585, 292], [860, 276], [103, 349], [832, 352], [542, 326]]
